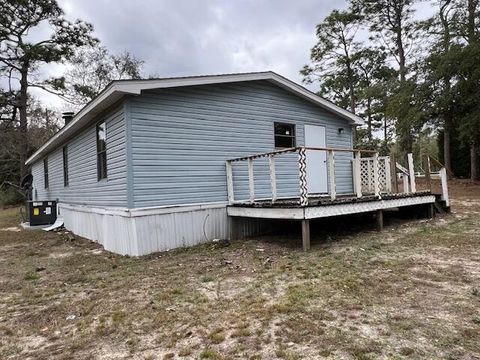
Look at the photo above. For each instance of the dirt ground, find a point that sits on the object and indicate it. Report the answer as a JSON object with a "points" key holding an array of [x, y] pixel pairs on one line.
{"points": [[409, 292]]}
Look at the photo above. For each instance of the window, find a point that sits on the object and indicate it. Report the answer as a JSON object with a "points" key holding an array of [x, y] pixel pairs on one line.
{"points": [[45, 173], [65, 166], [101, 151], [284, 135]]}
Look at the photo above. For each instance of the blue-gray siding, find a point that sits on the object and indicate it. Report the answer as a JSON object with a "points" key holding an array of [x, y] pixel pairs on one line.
{"points": [[181, 138], [84, 188]]}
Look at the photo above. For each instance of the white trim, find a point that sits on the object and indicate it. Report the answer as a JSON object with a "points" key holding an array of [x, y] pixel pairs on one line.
{"points": [[117, 89], [146, 211]]}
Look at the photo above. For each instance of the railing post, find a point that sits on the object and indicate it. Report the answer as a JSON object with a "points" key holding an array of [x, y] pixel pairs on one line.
{"points": [[251, 182], [426, 165], [388, 174], [302, 167], [230, 192], [357, 176], [406, 186], [369, 175], [411, 171], [331, 174], [376, 185], [393, 173], [273, 177], [443, 180]]}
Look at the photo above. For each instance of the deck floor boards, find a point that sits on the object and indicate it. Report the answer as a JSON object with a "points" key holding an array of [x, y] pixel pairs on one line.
{"points": [[327, 201]]}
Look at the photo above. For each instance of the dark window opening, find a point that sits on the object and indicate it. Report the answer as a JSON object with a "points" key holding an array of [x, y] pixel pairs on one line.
{"points": [[65, 166], [284, 135], [45, 173], [101, 151]]}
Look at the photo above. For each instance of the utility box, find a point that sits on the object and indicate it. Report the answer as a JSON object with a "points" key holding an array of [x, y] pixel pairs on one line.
{"points": [[41, 212]]}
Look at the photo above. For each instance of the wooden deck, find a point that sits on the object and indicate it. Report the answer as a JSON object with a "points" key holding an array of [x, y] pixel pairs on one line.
{"points": [[320, 208], [375, 182]]}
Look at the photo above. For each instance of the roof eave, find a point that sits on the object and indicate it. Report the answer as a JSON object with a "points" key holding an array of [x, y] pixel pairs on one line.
{"points": [[117, 89]]}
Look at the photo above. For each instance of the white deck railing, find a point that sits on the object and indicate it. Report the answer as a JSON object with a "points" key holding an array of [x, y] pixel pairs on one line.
{"points": [[371, 175], [358, 173]]}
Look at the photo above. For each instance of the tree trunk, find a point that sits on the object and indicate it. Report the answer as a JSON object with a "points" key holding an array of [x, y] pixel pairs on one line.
{"points": [[22, 107], [472, 4], [473, 161], [446, 148], [402, 65], [447, 118], [385, 129], [369, 119]]}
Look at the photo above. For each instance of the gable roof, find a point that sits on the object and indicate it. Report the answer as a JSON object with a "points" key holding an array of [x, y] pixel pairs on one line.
{"points": [[119, 88]]}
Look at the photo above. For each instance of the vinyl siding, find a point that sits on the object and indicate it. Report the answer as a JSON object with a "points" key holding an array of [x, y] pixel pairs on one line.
{"points": [[84, 188], [181, 138]]}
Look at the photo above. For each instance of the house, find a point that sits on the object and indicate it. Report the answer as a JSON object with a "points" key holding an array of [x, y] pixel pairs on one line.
{"points": [[144, 166]]}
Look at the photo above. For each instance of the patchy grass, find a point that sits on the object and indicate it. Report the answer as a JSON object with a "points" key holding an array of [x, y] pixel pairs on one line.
{"points": [[412, 291]]}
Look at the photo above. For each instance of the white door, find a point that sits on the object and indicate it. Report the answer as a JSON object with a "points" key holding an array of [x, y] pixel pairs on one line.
{"points": [[316, 160]]}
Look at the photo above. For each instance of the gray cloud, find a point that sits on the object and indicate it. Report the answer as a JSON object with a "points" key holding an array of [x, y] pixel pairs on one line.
{"points": [[207, 37], [193, 37]]}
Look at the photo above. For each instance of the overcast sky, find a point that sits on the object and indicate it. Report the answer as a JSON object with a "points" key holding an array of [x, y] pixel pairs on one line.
{"points": [[193, 37]]}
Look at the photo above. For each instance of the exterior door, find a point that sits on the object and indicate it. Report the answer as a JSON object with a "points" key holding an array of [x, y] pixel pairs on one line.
{"points": [[316, 160]]}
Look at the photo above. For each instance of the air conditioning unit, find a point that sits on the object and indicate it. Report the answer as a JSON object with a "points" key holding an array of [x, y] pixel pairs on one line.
{"points": [[41, 212]]}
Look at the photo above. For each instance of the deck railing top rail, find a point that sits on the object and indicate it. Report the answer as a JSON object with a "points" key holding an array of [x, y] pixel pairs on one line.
{"points": [[298, 148]]}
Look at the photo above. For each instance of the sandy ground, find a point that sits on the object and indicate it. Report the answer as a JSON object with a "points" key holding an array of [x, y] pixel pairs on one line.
{"points": [[409, 292]]}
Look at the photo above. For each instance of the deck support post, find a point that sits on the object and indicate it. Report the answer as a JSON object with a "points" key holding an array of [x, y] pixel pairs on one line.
{"points": [[232, 228], [431, 211], [306, 234], [379, 220]]}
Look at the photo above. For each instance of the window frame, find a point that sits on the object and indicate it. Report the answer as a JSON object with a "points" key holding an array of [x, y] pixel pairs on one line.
{"points": [[102, 173], [66, 179], [293, 136], [46, 180]]}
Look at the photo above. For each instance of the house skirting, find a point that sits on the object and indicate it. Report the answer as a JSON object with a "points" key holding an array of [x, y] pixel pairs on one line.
{"points": [[144, 231]]}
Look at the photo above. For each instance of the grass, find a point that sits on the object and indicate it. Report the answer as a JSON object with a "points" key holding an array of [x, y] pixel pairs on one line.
{"points": [[411, 291]]}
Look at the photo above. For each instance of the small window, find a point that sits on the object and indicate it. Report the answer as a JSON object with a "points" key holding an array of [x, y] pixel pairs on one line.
{"points": [[65, 166], [284, 135], [45, 172], [101, 151]]}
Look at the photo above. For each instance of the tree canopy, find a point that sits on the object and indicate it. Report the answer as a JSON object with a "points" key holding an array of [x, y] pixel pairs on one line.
{"points": [[411, 80]]}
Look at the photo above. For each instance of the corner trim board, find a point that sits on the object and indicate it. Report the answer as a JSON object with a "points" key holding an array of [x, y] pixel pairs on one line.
{"points": [[128, 149]]}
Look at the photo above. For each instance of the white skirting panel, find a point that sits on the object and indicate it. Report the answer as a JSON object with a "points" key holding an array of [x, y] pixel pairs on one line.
{"points": [[144, 231], [114, 232], [162, 232]]}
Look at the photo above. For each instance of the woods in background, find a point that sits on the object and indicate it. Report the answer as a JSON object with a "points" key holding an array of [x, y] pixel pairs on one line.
{"points": [[415, 82]]}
